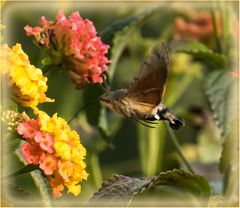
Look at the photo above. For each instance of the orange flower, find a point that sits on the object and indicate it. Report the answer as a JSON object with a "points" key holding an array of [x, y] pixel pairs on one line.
{"points": [[57, 150], [199, 27]]}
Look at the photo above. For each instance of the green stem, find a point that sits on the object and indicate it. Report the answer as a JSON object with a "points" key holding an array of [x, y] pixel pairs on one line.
{"points": [[142, 146], [178, 149], [96, 170], [39, 181], [225, 27], [216, 32], [42, 187], [156, 140], [151, 147]]}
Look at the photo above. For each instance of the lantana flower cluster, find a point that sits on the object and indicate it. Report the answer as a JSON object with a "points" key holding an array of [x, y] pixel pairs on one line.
{"points": [[51, 144], [26, 82], [200, 27], [73, 43]]}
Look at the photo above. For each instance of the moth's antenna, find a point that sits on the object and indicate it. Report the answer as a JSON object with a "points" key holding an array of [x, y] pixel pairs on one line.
{"points": [[75, 115], [104, 81], [103, 89], [104, 86]]}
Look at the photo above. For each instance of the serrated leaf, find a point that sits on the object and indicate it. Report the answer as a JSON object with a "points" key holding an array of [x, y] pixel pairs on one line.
{"points": [[222, 90], [122, 36], [200, 51], [120, 189], [219, 86], [195, 184]]}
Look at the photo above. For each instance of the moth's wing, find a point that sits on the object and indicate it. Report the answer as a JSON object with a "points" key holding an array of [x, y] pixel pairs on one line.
{"points": [[150, 84], [139, 107]]}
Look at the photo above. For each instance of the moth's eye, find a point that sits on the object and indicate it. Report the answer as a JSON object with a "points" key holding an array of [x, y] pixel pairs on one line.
{"points": [[107, 100]]}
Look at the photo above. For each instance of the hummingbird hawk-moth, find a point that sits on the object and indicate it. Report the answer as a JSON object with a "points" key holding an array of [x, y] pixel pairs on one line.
{"points": [[142, 100]]}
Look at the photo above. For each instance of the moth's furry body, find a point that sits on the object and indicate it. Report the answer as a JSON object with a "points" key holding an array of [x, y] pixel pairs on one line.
{"points": [[142, 100], [116, 101]]}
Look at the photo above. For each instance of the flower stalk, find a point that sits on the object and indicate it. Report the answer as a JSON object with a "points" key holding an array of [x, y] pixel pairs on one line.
{"points": [[178, 149]]}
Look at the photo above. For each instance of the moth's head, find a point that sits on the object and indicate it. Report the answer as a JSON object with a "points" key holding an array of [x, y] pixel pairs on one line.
{"points": [[106, 100]]}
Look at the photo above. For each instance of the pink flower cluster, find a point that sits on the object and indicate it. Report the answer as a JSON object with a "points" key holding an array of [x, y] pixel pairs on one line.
{"points": [[199, 27], [73, 43], [37, 147]]}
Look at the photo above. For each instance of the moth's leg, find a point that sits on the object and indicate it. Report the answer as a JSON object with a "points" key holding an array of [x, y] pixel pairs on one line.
{"points": [[151, 122], [135, 119], [153, 127]]}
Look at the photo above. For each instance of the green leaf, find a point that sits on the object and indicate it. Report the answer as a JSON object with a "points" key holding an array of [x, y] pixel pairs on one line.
{"points": [[200, 51], [219, 87], [108, 34], [103, 125], [119, 190], [229, 164], [93, 110], [195, 184], [121, 37], [96, 115], [227, 155], [26, 169], [222, 90]]}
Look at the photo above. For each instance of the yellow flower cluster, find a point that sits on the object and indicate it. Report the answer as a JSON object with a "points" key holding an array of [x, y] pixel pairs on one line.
{"points": [[69, 152], [26, 82]]}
